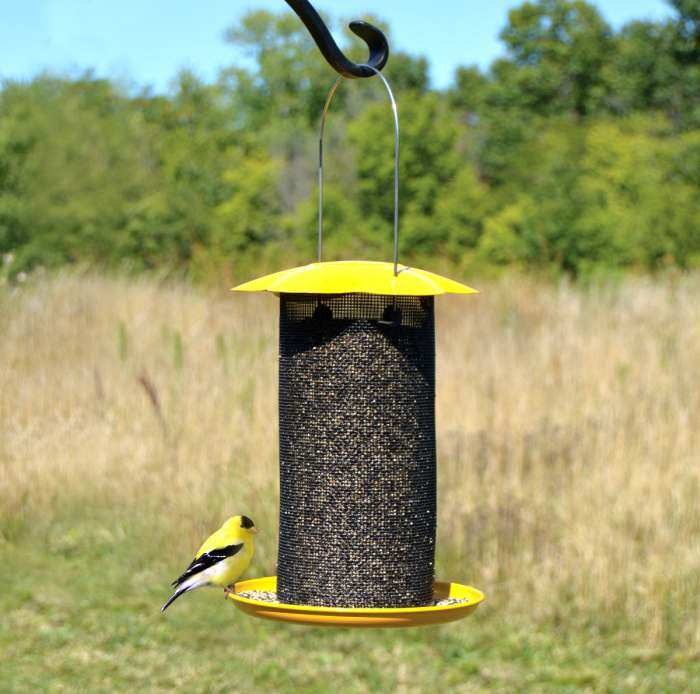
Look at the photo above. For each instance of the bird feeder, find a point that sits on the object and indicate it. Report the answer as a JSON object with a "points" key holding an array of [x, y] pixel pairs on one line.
{"points": [[357, 449]]}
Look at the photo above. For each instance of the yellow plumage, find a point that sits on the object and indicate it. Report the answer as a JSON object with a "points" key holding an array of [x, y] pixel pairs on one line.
{"points": [[223, 557]]}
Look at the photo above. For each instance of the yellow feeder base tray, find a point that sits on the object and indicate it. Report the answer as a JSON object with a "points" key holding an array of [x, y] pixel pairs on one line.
{"points": [[358, 616]]}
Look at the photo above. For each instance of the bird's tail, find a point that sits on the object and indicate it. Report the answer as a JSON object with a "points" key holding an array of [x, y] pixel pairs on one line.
{"points": [[180, 591]]}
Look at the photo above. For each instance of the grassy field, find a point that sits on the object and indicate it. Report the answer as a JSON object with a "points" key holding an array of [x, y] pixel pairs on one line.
{"points": [[135, 417]]}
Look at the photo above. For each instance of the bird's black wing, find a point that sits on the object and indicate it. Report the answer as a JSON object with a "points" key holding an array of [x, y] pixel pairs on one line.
{"points": [[208, 559]]}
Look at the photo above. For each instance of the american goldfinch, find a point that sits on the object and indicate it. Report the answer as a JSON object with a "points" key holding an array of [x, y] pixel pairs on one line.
{"points": [[222, 558]]}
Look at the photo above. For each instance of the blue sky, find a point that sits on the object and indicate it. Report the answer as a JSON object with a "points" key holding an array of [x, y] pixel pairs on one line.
{"points": [[146, 42]]}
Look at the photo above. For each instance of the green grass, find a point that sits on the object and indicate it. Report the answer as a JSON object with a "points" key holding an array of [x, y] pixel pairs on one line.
{"points": [[80, 611]]}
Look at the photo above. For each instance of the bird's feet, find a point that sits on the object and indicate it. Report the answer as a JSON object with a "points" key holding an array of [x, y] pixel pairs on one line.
{"points": [[228, 590]]}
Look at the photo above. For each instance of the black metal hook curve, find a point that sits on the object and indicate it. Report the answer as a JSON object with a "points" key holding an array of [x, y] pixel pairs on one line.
{"points": [[373, 37]]}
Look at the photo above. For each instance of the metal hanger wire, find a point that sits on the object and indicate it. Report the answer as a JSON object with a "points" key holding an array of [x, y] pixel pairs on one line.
{"points": [[324, 116]]}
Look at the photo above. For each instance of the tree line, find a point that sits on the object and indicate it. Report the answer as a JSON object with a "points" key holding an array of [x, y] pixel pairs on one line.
{"points": [[578, 151]]}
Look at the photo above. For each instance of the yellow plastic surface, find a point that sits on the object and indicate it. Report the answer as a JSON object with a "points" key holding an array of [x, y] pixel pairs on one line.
{"points": [[355, 276], [358, 616]]}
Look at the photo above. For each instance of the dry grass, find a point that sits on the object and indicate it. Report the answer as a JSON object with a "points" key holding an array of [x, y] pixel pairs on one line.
{"points": [[569, 434]]}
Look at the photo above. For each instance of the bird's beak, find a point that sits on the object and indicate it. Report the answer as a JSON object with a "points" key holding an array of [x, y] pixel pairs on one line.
{"points": [[254, 531]]}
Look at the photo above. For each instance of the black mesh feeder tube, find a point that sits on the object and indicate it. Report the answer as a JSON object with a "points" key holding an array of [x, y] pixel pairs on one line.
{"points": [[357, 450], [357, 447]]}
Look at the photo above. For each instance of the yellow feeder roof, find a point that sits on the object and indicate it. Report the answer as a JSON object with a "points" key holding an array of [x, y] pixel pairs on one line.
{"points": [[357, 277]]}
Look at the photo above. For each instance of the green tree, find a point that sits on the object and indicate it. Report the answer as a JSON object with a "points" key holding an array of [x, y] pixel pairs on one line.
{"points": [[633, 198], [290, 78], [428, 161], [469, 92], [577, 151], [72, 161], [557, 50]]}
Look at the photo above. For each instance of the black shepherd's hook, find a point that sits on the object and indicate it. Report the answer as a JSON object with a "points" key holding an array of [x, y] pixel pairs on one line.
{"points": [[375, 40]]}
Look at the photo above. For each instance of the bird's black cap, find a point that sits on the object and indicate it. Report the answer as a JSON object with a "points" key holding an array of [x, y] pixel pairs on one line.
{"points": [[246, 523]]}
